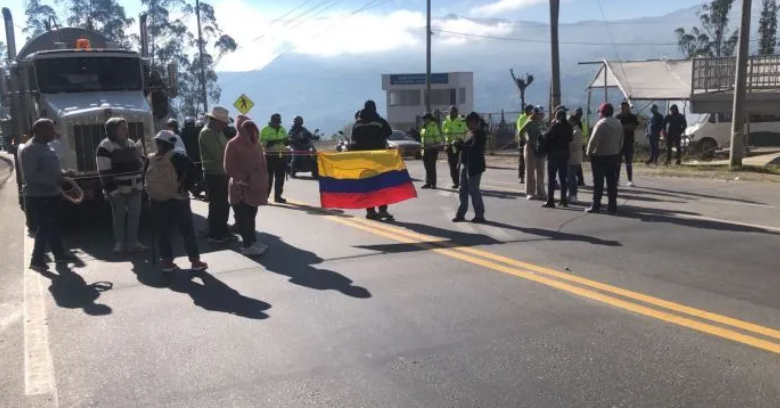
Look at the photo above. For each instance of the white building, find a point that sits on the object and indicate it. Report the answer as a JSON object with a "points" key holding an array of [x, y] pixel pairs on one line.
{"points": [[405, 95]]}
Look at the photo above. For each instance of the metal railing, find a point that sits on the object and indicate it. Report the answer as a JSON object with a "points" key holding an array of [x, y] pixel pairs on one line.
{"points": [[712, 74]]}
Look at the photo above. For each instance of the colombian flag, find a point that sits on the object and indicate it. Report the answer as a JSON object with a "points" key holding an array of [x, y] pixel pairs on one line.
{"points": [[359, 180]]}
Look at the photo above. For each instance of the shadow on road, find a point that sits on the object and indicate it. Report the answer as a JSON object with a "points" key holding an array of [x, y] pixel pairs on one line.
{"points": [[215, 295], [298, 264], [662, 216], [556, 235], [71, 291], [685, 195]]}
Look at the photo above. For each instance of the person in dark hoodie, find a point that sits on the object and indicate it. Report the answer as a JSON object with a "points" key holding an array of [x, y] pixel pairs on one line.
{"points": [[556, 143], [472, 159], [369, 133]]}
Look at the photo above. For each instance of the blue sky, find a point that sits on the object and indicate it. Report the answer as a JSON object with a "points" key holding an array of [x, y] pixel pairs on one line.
{"points": [[387, 25]]}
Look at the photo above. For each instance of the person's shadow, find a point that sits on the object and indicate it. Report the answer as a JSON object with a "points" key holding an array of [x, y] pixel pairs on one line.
{"points": [[215, 295], [71, 291], [298, 264]]}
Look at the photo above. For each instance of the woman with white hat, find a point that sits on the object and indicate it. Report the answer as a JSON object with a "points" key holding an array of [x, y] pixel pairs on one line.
{"points": [[212, 143]]}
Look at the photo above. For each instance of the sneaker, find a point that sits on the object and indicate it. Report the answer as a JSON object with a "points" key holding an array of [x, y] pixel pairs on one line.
{"points": [[198, 265], [530, 197], [119, 248], [455, 186], [479, 220], [39, 267], [592, 210], [169, 266], [280, 200], [373, 216], [573, 199], [426, 186], [458, 219], [137, 248], [386, 216], [631, 183], [252, 251], [549, 205], [522, 181]]}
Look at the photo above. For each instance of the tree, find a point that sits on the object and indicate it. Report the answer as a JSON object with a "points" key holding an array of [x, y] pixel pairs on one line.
{"points": [[767, 27], [105, 16], [215, 42], [712, 38], [38, 16]]}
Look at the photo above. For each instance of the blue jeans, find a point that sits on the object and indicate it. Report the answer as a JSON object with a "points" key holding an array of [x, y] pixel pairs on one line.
{"points": [[126, 212], [469, 186], [174, 215], [46, 211], [572, 179], [653, 139]]}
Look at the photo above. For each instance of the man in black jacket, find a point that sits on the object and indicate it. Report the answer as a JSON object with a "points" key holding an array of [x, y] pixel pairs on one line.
{"points": [[556, 144], [674, 127], [370, 133]]}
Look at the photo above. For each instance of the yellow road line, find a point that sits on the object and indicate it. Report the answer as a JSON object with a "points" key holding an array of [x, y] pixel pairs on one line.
{"points": [[758, 329], [453, 251]]}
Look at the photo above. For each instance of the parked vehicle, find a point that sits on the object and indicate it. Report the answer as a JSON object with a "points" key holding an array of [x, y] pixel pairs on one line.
{"points": [[713, 131], [405, 144], [302, 162]]}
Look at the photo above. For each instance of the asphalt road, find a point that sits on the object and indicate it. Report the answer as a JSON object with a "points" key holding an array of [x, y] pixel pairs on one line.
{"points": [[673, 302]]}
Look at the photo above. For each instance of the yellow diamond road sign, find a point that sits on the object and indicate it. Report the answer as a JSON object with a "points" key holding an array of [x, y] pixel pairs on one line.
{"points": [[243, 104]]}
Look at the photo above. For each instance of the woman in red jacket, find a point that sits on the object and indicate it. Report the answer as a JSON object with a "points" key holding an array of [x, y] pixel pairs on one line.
{"points": [[248, 186]]}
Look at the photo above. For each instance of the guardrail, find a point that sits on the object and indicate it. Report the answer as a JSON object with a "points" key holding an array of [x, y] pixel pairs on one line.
{"points": [[712, 74]]}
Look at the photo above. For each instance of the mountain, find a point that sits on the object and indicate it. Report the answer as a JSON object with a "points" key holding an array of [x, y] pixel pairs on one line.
{"points": [[327, 91]]}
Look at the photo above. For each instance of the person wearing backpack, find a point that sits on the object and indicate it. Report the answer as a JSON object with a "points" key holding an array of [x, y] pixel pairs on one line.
{"points": [[247, 169], [169, 176], [535, 155]]}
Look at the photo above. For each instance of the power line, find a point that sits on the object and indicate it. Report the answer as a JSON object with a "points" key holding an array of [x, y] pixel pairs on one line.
{"points": [[367, 6], [612, 39], [542, 41]]}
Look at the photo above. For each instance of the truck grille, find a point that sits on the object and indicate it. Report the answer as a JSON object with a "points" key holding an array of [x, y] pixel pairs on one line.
{"points": [[87, 138]]}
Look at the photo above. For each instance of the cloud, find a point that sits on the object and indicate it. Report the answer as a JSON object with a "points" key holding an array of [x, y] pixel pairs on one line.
{"points": [[503, 6], [334, 34]]}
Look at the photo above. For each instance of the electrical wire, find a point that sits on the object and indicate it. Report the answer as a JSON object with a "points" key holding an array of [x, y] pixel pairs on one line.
{"points": [[542, 41]]}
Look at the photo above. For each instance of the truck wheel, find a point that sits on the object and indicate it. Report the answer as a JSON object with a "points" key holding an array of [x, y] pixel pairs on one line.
{"points": [[706, 148]]}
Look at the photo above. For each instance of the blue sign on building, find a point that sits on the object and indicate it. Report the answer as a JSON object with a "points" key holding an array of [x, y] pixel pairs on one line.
{"points": [[419, 79]]}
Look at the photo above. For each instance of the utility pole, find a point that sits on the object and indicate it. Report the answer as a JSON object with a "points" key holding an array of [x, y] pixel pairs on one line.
{"points": [[555, 84], [737, 149], [202, 66], [428, 34]]}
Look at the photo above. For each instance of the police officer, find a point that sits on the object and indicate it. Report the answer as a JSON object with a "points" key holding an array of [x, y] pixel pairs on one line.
{"points": [[431, 139], [454, 129], [274, 139]]}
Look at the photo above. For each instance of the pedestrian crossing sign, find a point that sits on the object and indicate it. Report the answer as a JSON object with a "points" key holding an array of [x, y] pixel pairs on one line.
{"points": [[243, 104]]}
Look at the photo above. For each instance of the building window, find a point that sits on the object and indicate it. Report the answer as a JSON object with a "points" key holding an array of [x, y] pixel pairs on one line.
{"points": [[446, 96], [462, 95], [406, 97]]}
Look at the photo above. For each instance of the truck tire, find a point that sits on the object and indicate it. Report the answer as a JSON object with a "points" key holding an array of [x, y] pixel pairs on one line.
{"points": [[706, 148]]}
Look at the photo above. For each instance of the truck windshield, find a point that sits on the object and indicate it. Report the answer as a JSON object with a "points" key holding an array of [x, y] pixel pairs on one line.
{"points": [[88, 74]]}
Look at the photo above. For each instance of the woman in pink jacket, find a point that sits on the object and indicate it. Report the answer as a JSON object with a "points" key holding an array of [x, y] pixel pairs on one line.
{"points": [[248, 186]]}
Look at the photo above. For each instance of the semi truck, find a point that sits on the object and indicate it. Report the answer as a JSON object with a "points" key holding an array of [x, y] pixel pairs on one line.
{"points": [[79, 79]]}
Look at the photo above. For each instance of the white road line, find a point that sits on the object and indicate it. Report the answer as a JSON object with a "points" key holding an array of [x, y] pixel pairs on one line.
{"points": [[38, 365]]}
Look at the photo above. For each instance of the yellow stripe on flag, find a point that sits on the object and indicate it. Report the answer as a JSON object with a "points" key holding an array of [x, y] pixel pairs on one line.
{"points": [[359, 165]]}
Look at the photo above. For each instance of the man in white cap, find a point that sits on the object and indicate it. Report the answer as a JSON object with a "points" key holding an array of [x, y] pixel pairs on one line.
{"points": [[212, 143]]}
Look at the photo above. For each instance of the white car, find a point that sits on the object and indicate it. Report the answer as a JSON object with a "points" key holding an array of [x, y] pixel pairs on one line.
{"points": [[405, 144]]}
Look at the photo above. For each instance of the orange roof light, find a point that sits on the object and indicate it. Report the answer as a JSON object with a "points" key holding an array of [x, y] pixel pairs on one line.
{"points": [[82, 44]]}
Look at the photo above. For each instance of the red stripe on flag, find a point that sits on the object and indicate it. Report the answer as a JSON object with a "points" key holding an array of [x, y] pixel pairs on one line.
{"points": [[376, 198]]}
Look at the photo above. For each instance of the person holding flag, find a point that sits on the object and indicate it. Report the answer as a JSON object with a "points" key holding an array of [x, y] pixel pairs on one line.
{"points": [[431, 141], [454, 129]]}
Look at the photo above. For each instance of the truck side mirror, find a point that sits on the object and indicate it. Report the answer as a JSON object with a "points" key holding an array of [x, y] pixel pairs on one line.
{"points": [[173, 80]]}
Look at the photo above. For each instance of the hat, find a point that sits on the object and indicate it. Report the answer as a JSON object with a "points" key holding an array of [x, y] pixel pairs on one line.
{"points": [[454, 108], [528, 108], [166, 136], [539, 109], [220, 114], [607, 108], [428, 115], [370, 105], [578, 111], [561, 108]]}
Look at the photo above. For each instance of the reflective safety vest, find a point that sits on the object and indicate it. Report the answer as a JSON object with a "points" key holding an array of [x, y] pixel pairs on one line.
{"points": [[521, 121], [272, 139], [454, 129], [430, 135]]}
